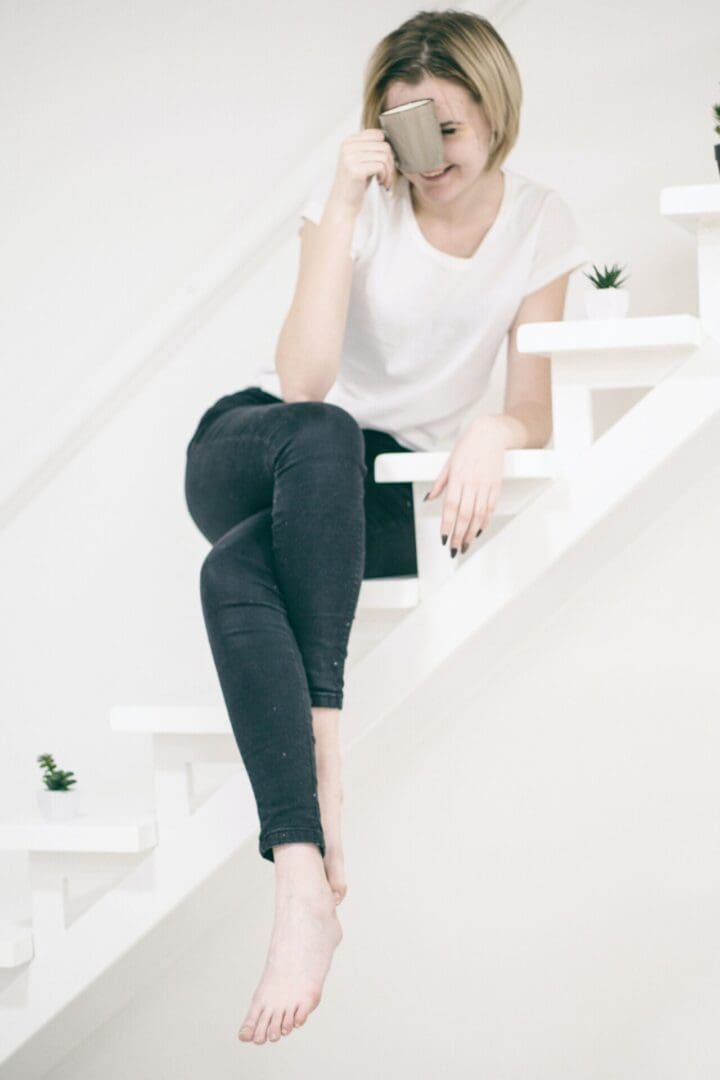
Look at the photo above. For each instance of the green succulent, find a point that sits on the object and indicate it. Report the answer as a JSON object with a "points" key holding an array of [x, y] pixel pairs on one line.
{"points": [[716, 116], [608, 279], [55, 779]]}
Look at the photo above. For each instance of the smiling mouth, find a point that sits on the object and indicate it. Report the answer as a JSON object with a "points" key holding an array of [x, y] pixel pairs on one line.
{"points": [[436, 175]]}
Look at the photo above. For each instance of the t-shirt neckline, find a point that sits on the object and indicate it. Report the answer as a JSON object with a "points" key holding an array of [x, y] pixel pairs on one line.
{"points": [[444, 256]]}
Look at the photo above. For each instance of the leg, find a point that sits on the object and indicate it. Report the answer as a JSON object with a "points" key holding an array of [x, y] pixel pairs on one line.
{"points": [[390, 552], [242, 473], [305, 462], [389, 519], [263, 682]]}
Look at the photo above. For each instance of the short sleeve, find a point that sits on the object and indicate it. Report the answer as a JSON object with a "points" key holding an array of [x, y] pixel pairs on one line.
{"points": [[558, 243], [314, 205]]}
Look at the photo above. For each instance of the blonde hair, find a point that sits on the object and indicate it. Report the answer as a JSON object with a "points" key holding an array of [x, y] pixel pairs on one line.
{"points": [[455, 45]]}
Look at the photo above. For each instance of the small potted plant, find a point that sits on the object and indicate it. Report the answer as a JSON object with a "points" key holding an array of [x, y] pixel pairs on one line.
{"points": [[57, 802], [606, 300], [716, 118]]}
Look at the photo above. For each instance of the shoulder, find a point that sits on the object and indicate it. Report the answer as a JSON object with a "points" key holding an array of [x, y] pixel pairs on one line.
{"points": [[547, 221], [534, 200]]}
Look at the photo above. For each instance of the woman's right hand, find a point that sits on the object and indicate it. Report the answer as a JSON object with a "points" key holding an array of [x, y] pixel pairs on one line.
{"points": [[361, 157]]}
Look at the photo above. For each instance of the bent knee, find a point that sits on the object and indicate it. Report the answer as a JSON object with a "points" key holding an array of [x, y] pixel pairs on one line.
{"points": [[213, 574], [234, 567], [322, 423]]}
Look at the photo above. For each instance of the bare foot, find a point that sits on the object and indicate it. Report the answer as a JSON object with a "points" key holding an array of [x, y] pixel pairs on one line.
{"points": [[305, 935]]}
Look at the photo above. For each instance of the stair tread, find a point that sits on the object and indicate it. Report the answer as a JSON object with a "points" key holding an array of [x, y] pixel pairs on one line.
{"points": [[97, 832], [171, 719], [593, 335], [692, 205], [525, 464]]}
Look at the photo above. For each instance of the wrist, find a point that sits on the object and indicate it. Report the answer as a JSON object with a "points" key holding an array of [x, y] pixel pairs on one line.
{"points": [[506, 430], [340, 210]]}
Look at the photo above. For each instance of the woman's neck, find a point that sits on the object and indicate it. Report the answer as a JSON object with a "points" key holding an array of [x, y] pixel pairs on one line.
{"points": [[477, 204]]}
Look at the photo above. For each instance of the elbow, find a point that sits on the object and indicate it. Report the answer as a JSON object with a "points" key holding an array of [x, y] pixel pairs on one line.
{"points": [[294, 389], [289, 399]]}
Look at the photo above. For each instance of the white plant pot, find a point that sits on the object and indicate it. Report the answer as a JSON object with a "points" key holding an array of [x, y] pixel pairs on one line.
{"points": [[606, 303], [58, 805]]}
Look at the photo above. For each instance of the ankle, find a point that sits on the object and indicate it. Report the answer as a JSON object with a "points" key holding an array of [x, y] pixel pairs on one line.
{"points": [[299, 868]]}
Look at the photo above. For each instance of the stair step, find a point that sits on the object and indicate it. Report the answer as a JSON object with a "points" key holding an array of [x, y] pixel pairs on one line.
{"points": [[613, 353], [182, 737], [16, 945], [170, 719], [398, 592], [692, 206], [421, 466], [86, 833]]}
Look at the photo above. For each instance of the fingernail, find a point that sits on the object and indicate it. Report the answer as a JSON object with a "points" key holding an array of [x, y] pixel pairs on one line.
{"points": [[427, 496], [464, 548], [478, 532], [444, 539], [453, 552]]}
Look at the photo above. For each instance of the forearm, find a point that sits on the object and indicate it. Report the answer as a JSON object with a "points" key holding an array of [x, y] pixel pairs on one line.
{"points": [[308, 351], [525, 426]]}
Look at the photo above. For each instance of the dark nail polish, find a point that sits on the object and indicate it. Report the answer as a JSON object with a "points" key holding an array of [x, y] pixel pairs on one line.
{"points": [[426, 497], [478, 532], [453, 552], [464, 548], [444, 539]]}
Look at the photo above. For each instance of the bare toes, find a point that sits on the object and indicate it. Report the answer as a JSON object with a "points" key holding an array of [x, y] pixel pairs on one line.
{"points": [[274, 1025], [248, 1028], [262, 1026], [288, 1020]]}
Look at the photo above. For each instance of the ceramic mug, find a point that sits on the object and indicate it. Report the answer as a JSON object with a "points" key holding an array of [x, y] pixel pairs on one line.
{"points": [[415, 136]]}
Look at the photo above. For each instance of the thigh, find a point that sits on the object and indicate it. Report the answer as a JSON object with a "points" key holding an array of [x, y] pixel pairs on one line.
{"points": [[228, 468], [229, 476], [389, 520]]}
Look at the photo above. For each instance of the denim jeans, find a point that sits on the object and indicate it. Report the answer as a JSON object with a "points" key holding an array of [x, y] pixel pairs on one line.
{"points": [[284, 492]]}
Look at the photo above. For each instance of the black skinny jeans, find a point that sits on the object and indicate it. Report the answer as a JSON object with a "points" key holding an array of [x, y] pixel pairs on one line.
{"points": [[285, 494]]}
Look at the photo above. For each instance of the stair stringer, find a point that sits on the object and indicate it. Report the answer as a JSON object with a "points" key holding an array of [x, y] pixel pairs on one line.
{"points": [[127, 937], [603, 499], [531, 568]]}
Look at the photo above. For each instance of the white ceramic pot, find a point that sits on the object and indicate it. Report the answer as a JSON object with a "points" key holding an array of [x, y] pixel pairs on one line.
{"points": [[58, 805], [606, 303]]}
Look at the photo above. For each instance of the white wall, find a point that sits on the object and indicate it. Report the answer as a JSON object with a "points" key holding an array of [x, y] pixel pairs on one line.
{"points": [[134, 136], [532, 863], [128, 132]]}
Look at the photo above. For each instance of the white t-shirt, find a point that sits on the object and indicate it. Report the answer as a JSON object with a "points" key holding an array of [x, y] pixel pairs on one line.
{"points": [[424, 328]]}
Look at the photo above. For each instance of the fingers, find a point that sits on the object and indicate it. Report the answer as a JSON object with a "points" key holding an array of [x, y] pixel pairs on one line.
{"points": [[466, 509], [477, 523], [458, 512], [385, 168], [389, 175], [466, 512]]}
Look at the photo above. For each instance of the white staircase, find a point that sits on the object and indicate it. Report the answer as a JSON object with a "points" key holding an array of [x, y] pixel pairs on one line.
{"points": [[571, 506]]}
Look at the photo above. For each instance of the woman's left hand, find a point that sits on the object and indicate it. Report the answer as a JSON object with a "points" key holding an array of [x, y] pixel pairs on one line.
{"points": [[472, 475]]}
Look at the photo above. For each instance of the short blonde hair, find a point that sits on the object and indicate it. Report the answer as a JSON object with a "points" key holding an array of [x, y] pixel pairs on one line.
{"points": [[456, 45]]}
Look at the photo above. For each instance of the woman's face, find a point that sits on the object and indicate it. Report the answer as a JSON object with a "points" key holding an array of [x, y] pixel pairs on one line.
{"points": [[466, 134]]}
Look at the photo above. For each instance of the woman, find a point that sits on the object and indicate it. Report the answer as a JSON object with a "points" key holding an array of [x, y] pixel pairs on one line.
{"points": [[406, 290]]}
